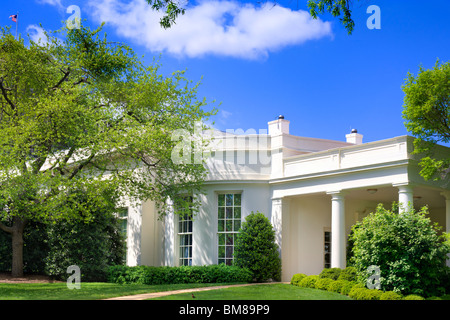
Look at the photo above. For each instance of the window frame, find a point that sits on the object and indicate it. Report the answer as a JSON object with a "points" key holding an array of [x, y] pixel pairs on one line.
{"points": [[226, 238], [326, 264], [179, 234]]}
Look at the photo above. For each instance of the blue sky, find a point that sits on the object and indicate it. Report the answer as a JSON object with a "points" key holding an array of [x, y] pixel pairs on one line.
{"points": [[259, 62]]}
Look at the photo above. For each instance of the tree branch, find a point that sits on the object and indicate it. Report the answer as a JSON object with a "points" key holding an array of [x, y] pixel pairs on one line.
{"points": [[5, 228], [81, 166], [5, 95], [66, 74]]}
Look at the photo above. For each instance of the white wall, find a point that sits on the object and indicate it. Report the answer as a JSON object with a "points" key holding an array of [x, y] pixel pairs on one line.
{"points": [[255, 197]]}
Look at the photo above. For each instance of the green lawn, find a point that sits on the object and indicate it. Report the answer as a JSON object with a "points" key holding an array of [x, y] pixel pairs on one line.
{"points": [[88, 291], [276, 291], [92, 291]]}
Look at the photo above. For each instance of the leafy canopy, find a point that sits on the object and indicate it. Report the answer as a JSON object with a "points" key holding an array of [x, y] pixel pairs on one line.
{"points": [[426, 110], [84, 117]]}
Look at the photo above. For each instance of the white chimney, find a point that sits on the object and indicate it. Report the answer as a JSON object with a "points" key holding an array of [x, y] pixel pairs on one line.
{"points": [[354, 137], [279, 126]]}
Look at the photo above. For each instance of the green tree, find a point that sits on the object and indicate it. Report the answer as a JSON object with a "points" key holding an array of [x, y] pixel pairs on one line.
{"points": [[84, 118], [406, 247], [256, 249], [338, 8], [172, 10], [426, 110]]}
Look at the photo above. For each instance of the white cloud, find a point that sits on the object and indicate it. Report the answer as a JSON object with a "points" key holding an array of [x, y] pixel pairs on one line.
{"points": [[223, 28], [51, 2], [37, 34]]}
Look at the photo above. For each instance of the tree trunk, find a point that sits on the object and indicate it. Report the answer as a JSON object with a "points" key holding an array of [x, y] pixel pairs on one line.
{"points": [[17, 247]]}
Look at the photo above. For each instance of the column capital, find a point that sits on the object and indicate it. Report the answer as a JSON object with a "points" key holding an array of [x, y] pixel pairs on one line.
{"points": [[403, 187], [337, 194], [446, 194]]}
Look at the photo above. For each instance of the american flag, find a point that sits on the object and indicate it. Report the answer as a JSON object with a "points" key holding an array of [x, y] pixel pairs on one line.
{"points": [[13, 17]]}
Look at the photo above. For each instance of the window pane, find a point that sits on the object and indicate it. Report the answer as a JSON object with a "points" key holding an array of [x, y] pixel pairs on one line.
{"points": [[229, 252], [229, 199], [221, 213], [237, 225], [229, 225], [229, 239], [221, 261], [221, 251], [221, 225], [221, 199], [229, 213], [237, 199], [123, 213], [221, 239], [237, 213]]}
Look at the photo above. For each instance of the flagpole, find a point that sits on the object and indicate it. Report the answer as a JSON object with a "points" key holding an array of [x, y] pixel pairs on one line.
{"points": [[17, 23]]}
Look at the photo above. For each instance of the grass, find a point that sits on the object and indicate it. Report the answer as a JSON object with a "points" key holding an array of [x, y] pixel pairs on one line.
{"points": [[276, 291], [99, 290], [88, 291]]}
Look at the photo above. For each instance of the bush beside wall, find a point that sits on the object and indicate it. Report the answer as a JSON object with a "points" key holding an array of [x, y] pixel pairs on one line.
{"points": [[353, 289], [184, 274]]}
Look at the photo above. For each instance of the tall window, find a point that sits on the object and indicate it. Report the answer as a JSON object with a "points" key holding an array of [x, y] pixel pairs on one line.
{"points": [[185, 239], [185, 235], [122, 215], [229, 223], [327, 249]]}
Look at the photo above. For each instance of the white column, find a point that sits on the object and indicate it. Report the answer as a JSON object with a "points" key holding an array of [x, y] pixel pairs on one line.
{"points": [[277, 220], [337, 230], [446, 194], [169, 236], [405, 197]]}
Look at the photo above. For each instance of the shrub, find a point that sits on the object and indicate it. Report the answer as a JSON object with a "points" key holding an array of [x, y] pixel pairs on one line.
{"points": [[309, 281], [51, 248], [406, 247], [296, 278], [413, 297], [390, 295], [371, 294], [256, 250], [330, 273], [355, 291], [348, 274], [345, 290], [323, 283], [184, 274], [92, 246], [336, 286]]}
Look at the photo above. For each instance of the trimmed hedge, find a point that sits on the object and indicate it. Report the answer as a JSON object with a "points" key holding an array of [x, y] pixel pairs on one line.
{"points": [[390, 295], [296, 278], [184, 274], [353, 289], [336, 286], [323, 283], [309, 281], [413, 297], [330, 273], [349, 274]]}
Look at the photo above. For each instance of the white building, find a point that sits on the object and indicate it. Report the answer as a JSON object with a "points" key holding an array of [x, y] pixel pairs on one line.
{"points": [[312, 190]]}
